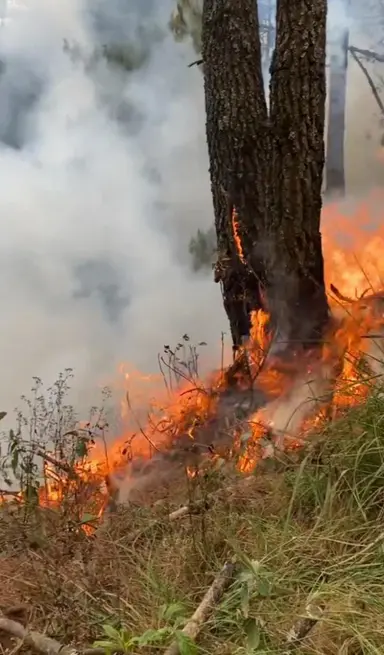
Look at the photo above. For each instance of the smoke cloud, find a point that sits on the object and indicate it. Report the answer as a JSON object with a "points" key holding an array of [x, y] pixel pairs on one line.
{"points": [[104, 181]]}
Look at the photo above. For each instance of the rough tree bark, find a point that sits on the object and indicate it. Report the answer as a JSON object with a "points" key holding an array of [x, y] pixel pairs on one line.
{"points": [[237, 127], [295, 279], [268, 169]]}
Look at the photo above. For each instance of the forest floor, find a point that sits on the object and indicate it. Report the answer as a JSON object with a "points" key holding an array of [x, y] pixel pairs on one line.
{"points": [[306, 532]]}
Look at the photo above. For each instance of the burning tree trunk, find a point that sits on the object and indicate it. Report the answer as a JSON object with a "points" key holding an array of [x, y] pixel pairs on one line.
{"points": [[266, 171], [237, 144], [295, 285]]}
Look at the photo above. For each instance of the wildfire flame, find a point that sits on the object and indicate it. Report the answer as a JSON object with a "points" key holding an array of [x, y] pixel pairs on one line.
{"points": [[338, 377], [236, 235]]}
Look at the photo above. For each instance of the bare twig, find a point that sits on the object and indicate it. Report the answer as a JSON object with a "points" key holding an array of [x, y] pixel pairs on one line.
{"points": [[206, 607], [339, 295], [369, 54], [355, 52], [163, 374], [149, 440], [63, 466], [173, 368], [188, 510], [198, 62]]}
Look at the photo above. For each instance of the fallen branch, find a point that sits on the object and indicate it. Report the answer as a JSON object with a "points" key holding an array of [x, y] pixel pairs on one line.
{"points": [[42, 643], [303, 627], [185, 510], [160, 524], [298, 633], [36, 640], [206, 607]]}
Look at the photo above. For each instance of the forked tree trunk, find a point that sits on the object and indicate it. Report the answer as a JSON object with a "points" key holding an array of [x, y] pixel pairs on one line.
{"points": [[296, 291], [237, 125], [269, 169]]}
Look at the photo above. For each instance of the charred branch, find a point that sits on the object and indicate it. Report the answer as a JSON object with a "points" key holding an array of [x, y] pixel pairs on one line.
{"points": [[207, 606], [198, 62], [61, 466], [35, 640]]}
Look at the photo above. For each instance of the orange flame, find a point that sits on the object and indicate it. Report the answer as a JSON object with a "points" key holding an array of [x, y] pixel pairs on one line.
{"points": [[236, 235], [353, 251], [353, 248]]}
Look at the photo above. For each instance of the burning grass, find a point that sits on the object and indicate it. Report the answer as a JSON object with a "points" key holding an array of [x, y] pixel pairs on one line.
{"points": [[307, 527], [279, 464]]}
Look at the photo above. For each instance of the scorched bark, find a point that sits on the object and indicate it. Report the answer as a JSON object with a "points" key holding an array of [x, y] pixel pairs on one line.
{"points": [[236, 127], [295, 288]]}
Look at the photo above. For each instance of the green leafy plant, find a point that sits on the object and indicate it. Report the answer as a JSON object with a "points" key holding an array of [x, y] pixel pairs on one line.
{"points": [[121, 640]]}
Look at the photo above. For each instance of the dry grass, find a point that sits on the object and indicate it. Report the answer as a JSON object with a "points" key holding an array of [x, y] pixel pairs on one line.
{"points": [[310, 528]]}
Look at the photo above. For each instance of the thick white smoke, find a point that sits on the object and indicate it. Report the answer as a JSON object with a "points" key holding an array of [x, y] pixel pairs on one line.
{"points": [[96, 214]]}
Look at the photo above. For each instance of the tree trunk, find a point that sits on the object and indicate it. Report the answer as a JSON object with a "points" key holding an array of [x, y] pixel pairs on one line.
{"points": [[237, 136], [295, 280], [337, 93]]}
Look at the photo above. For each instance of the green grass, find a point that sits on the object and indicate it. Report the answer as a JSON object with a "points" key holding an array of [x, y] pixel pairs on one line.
{"points": [[306, 530]]}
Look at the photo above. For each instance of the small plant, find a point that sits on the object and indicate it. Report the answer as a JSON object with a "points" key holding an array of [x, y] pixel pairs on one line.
{"points": [[122, 641], [44, 454]]}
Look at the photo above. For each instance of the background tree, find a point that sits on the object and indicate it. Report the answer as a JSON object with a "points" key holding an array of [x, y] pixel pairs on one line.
{"points": [[338, 47], [367, 49], [202, 249], [186, 20]]}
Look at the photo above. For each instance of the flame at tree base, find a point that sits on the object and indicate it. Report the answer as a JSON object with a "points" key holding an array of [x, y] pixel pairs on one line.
{"points": [[301, 396]]}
